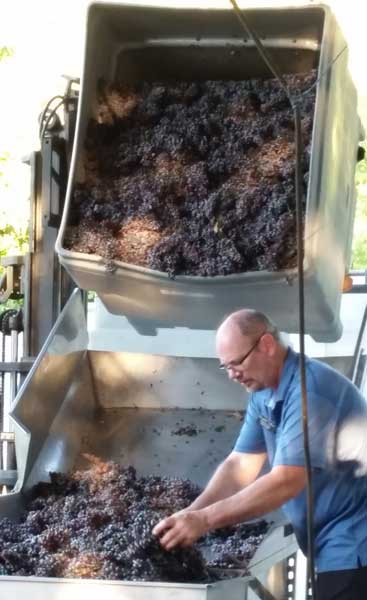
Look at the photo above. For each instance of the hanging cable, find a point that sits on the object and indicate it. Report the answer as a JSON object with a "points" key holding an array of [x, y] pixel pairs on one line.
{"points": [[295, 104], [323, 73]]}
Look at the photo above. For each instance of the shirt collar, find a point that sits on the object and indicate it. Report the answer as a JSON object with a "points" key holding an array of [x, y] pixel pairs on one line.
{"points": [[289, 368], [269, 396]]}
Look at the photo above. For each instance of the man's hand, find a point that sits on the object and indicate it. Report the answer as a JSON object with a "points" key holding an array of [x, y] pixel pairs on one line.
{"points": [[181, 529]]}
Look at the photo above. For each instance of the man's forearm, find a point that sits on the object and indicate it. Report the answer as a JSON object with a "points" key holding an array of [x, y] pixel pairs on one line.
{"points": [[220, 486], [229, 478], [268, 493]]}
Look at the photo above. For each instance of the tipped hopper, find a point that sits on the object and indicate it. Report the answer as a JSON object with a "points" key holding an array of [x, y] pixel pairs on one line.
{"points": [[136, 46]]}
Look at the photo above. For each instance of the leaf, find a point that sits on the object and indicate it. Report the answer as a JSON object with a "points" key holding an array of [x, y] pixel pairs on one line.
{"points": [[6, 52]]}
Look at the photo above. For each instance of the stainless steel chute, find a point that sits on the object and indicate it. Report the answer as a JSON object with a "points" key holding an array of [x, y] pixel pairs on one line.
{"points": [[124, 407]]}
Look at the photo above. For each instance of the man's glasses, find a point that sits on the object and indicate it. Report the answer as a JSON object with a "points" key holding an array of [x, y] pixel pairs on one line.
{"points": [[238, 362]]}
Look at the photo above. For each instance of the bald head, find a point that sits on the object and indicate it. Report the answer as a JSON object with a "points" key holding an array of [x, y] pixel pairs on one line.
{"points": [[248, 322]]}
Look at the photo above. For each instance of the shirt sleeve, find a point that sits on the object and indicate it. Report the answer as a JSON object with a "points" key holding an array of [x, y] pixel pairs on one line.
{"points": [[251, 437], [321, 432]]}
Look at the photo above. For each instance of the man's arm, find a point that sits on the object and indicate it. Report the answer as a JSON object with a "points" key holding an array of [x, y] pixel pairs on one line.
{"points": [[268, 493], [237, 471]]}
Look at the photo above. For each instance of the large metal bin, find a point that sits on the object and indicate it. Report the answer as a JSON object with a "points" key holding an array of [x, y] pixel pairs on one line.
{"points": [[140, 398], [148, 43]]}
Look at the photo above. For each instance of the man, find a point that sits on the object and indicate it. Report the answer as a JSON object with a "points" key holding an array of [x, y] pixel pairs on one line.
{"points": [[250, 350]]}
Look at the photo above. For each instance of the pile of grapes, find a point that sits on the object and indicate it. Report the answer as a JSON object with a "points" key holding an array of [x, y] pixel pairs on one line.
{"points": [[193, 178], [97, 523]]}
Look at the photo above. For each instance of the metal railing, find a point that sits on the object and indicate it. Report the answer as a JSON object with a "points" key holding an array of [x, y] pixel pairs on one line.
{"points": [[358, 372], [12, 372]]}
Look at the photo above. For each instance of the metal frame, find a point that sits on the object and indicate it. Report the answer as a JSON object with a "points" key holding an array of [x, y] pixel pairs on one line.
{"points": [[359, 363], [38, 276]]}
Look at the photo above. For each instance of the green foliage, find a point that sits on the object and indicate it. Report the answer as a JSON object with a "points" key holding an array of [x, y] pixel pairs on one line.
{"points": [[359, 250], [360, 253], [17, 238], [11, 304], [13, 229], [6, 52], [4, 157], [13, 238]]}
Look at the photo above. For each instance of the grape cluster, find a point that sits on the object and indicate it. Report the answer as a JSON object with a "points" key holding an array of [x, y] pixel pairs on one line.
{"points": [[232, 548], [97, 523], [190, 430], [193, 178]]}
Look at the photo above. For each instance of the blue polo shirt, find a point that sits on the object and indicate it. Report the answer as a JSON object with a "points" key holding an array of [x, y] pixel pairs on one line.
{"points": [[338, 446]]}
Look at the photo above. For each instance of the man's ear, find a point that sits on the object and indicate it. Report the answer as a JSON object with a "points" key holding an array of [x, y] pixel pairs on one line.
{"points": [[269, 344]]}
